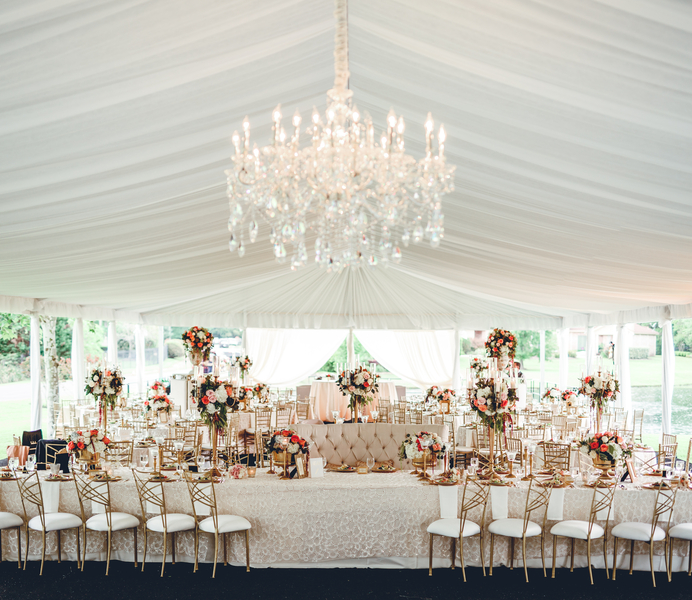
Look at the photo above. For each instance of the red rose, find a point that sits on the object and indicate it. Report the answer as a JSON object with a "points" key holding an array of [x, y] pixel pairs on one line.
{"points": [[80, 445], [205, 399], [482, 408], [366, 384], [604, 447], [106, 441], [146, 403], [295, 439], [70, 446], [200, 344], [594, 445]]}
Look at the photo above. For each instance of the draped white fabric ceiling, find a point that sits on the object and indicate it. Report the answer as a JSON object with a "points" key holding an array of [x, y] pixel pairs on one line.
{"points": [[570, 123]]}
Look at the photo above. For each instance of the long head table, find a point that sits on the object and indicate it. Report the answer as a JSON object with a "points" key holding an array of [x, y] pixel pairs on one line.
{"points": [[342, 519]]}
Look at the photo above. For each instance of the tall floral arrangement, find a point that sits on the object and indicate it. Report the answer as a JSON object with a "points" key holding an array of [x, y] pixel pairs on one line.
{"points": [[360, 384], [477, 365], [213, 402], [105, 386], [436, 394], [600, 389], [493, 400], [243, 363], [261, 391], [569, 398], [198, 343], [157, 399], [501, 343], [296, 444]]}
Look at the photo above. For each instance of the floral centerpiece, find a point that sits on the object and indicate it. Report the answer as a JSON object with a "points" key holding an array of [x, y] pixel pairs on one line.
{"points": [[552, 395], [477, 365], [243, 363], [569, 398], [212, 404], [296, 444], [600, 389], [493, 401], [246, 394], [157, 400], [412, 446], [501, 344], [105, 386], [85, 446], [605, 447], [198, 342], [261, 391], [361, 385], [436, 394]]}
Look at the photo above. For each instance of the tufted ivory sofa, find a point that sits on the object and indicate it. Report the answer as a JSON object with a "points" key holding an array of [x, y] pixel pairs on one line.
{"points": [[351, 442]]}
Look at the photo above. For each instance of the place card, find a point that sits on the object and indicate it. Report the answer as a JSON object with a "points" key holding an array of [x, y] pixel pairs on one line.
{"points": [[363, 470], [316, 469]]}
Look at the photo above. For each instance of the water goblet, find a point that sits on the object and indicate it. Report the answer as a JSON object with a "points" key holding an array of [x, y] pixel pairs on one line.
{"points": [[143, 460], [13, 463], [370, 461], [511, 456], [375, 414], [364, 418], [335, 415], [31, 462], [474, 462]]}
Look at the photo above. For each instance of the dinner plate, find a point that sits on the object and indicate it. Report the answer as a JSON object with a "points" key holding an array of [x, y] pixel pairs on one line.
{"points": [[656, 486], [100, 479], [347, 470], [376, 470]]}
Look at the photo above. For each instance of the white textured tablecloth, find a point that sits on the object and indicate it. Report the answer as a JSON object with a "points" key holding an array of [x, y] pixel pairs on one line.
{"points": [[341, 519]]}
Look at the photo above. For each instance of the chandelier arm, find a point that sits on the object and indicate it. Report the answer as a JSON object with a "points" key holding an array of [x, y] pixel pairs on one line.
{"points": [[341, 73]]}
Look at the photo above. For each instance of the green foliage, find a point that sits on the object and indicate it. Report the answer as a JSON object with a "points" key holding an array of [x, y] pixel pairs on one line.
{"points": [[682, 353], [341, 355], [15, 333], [466, 346], [175, 348], [639, 353], [528, 344], [682, 334], [63, 337]]}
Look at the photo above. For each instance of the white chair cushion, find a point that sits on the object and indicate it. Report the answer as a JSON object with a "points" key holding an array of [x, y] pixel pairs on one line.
{"points": [[175, 522], [450, 528], [514, 528], [640, 532], [119, 521], [10, 520], [682, 531], [55, 521], [227, 524], [577, 529]]}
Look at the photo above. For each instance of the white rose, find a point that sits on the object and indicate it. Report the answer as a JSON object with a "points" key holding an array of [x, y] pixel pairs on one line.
{"points": [[201, 335], [293, 448], [593, 454], [96, 377], [211, 408], [221, 393], [584, 450]]}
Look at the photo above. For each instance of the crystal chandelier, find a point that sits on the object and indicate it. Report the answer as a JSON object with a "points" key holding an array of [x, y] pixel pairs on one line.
{"points": [[354, 200]]}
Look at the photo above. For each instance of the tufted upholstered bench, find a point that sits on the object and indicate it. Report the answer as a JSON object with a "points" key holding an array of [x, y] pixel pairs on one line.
{"points": [[351, 442]]}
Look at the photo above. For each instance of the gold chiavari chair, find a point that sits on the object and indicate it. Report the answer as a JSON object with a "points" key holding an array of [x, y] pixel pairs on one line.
{"points": [[559, 425], [30, 492], [681, 531], [261, 430], [601, 505], [474, 497], [556, 456], [140, 427], [384, 407], [401, 416], [536, 499], [648, 532], [152, 499], [416, 416], [283, 418], [687, 460], [11, 521], [666, 456], [52, 451], [120, 452], [302, 410], [203, 497], [515, 445], [638, 424], [462, 453], [99, 493]]}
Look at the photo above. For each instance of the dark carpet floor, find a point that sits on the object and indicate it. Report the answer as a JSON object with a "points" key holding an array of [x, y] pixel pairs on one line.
{"points": [[64, 581]]}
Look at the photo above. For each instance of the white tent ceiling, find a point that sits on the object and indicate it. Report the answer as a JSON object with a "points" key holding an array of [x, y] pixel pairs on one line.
{"points": [[570, 123]]}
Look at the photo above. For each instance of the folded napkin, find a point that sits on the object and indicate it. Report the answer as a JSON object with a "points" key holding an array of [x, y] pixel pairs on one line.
{"points": [[499, 497], [200, 508], [449, 498], [125, 434], [96, 507], [602, 514], [556, 505], [50, 490]]}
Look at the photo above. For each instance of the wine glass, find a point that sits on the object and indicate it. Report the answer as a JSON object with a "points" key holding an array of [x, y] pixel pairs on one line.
{"points": [[364, 418], [143, 460], [474, 462], [370, 461], [335, 415], [375, 415], [13, 463], [511, 457]]}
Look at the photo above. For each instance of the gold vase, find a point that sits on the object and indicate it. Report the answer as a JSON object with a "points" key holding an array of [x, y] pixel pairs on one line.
{"points": [[604, 466], [284, 460]]}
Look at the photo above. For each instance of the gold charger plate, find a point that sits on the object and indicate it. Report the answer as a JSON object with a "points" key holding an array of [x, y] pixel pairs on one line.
{"points": [[393, 470], [164, 479], [100, 478], [600, 484], [349, 469], [60, 478], [435, 482], [656, 486], [9, 478]]}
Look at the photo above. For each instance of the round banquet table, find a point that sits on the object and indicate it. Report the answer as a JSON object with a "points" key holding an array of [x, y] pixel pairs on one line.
{"points": [[326, 397]]}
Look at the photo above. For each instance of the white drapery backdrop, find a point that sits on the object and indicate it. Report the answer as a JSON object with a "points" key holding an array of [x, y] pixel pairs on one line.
{"points": [[563, 347], [668, 352], [35, 365], [77, 356], [140, 362], [623, 337], [423, 357], [112, 344], [287, 356]]}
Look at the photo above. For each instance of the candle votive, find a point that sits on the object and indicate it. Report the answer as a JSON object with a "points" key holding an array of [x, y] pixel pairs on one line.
{"points": [[251, 471]]}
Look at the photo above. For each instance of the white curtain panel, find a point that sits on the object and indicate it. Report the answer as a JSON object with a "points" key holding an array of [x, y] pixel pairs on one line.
{"points": [[421, 357], [140, 362], [283, 357], [591, 350], [78, 364], [623, 340], [112, 344], [668, 352], [563, 347], [35, 365]]}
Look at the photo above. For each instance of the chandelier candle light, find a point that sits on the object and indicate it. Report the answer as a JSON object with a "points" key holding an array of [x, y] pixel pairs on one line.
{"points": [[353, 199]]}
